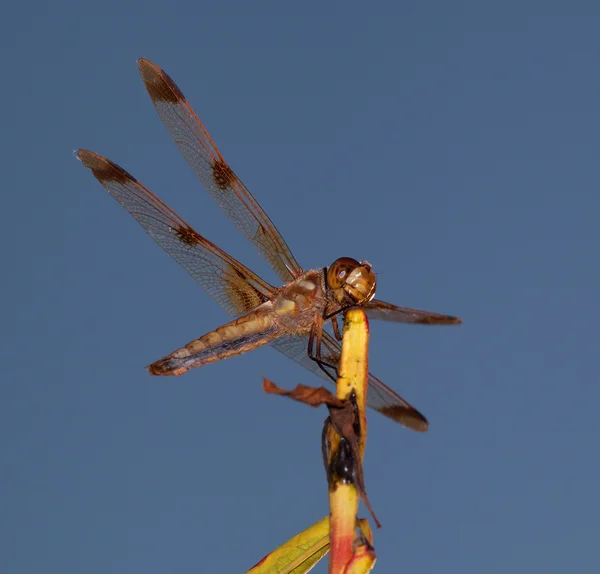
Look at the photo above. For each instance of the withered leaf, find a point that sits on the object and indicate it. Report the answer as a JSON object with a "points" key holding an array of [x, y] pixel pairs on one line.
{"points": [[311, 396]]}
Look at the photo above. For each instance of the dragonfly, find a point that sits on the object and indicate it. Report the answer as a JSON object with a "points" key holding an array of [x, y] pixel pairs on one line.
{"points": [[294, 318]]}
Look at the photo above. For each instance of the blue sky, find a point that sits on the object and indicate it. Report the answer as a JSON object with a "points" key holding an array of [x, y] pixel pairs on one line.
{"points": [[454, 145]]}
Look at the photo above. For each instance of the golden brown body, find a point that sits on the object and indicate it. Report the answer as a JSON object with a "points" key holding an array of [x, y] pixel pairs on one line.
{"points": [[290, 317], [293, 311]]}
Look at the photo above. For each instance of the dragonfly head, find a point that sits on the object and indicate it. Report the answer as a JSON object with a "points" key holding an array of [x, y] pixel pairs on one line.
{"points": [[351, 281]]}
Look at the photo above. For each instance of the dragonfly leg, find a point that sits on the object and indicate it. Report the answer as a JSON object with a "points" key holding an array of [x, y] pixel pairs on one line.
{"points": [[314, 351], [336, 328]]}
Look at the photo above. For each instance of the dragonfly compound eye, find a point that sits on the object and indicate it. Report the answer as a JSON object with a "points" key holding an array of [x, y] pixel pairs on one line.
{"points": [[348, 277]]}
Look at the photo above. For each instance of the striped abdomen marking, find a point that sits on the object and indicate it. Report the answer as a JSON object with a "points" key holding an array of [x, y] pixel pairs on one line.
{"points": [[244, 334]]}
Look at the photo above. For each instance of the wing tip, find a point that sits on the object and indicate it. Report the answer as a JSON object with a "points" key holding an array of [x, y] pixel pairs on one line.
{"points": [[159, 84], [102, 168], [83, 154], [441, 320], [408, 417]]}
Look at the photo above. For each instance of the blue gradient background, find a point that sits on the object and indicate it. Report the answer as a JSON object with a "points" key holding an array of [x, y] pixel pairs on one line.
{"points": [[452, 144]]}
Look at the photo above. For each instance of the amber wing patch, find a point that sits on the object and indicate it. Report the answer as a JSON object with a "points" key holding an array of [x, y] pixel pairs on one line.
{"points": [[222, 175], [188, 236], [242, 294]]}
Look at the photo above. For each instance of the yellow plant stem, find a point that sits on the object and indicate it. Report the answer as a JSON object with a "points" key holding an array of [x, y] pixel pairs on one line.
{"points": [[343, 494]]}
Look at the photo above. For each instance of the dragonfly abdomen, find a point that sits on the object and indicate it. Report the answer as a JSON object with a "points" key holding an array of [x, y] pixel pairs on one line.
{"points": [[244, 334]]}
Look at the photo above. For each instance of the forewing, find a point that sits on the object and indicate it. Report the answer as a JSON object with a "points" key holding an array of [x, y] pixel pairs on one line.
{"points": [[382, 311], [228, 282], [379, 396], [212, 170]]}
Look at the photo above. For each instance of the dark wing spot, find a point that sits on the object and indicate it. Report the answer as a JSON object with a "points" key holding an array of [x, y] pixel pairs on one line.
{"points": [[222, 175], [104, 169], [159, 84], [409, 417], [187, 235], [440, 320]]}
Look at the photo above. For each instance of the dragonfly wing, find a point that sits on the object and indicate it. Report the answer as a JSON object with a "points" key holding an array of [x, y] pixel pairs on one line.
{"points": [[382, 311], [212, 170], [227, 281], [379, 396]]}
